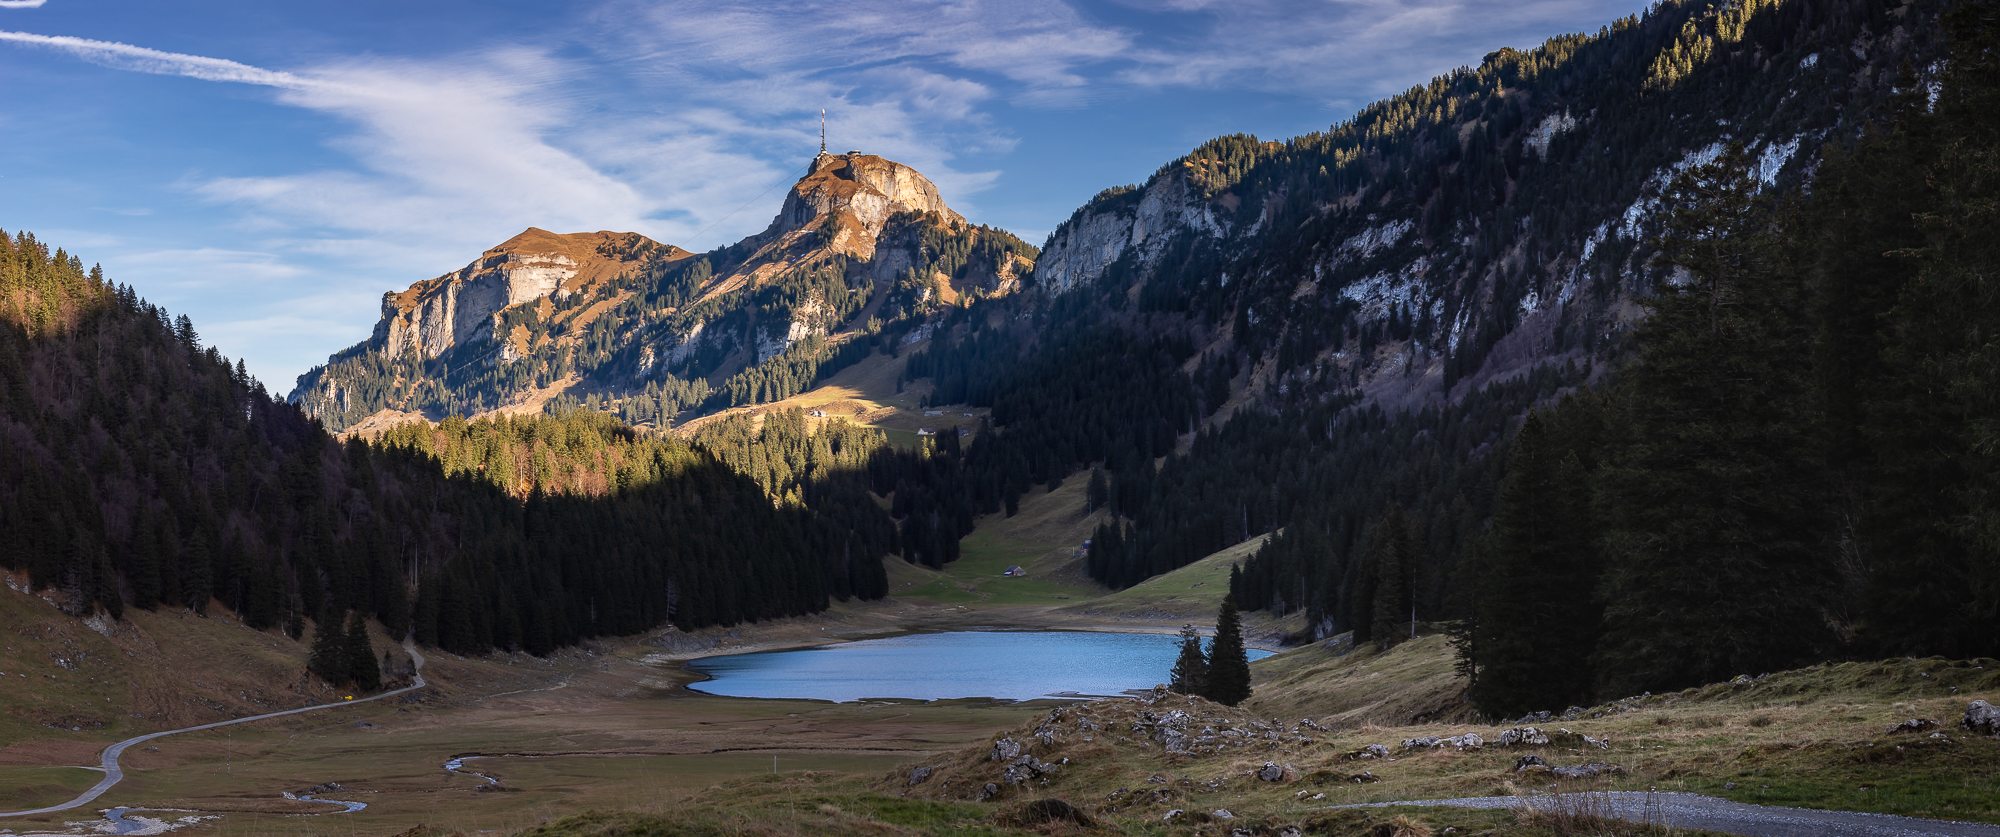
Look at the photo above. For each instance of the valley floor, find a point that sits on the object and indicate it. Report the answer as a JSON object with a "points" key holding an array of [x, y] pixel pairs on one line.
{"points": [[609, 727]]}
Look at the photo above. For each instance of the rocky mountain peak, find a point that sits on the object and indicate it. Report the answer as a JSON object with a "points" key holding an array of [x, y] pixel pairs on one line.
{"points": [[856, 194], [433, 315]]}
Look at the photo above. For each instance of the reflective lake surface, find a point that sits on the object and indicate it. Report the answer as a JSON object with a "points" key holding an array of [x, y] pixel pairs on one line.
{"points": [[1012, 665]]}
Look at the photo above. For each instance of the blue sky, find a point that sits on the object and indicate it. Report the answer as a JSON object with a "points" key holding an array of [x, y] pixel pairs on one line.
{"points": [[272, 168]]}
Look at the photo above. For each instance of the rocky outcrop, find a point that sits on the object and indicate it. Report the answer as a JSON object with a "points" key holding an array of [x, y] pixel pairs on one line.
{"points": [[862, 187], [1101, 232], [459, 307], [1982, 718]]}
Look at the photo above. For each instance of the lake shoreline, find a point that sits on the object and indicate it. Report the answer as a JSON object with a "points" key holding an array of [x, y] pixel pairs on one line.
{"points": [[977, 662]]}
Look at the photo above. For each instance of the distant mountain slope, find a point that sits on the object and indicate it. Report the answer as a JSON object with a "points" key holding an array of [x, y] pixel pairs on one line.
{"points": [[1495, 218], [862, 253]]}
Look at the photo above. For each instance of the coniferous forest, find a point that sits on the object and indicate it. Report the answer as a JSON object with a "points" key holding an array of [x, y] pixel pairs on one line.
{"points": [[142, 469]]}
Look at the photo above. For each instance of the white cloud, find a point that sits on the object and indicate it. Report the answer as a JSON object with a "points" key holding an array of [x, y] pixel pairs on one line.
{"points": [[22, 4], [141, 59]]}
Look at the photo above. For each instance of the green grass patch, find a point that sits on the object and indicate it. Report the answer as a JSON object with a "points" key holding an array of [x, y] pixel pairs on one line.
{"points": [[22, 788]]}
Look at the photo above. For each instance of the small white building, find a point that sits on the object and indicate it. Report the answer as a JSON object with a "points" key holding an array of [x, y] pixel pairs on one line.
{"points": [[926, 431], [1015, 572]]}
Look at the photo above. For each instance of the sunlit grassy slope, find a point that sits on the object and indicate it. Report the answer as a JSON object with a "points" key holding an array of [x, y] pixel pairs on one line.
{"points": [[1042, 537], [1193, 592]]}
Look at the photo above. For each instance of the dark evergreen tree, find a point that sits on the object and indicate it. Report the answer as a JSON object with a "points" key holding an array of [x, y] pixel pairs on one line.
{"points": [[1715, 537], [1536, 616], [1190, 674], [1391, 559], [328, 658], [362, 669], [1228, 662]]}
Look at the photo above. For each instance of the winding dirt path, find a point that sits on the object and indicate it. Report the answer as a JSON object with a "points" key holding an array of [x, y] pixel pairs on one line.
{"points": [[113, 774], [1708, 813]]}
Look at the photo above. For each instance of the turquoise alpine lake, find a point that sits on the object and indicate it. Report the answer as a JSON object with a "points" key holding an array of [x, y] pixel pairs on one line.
{"points": [[1009, 665]]}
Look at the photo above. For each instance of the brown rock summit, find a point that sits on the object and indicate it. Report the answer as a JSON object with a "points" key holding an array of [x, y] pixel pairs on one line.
{"points": [[459, 307]]}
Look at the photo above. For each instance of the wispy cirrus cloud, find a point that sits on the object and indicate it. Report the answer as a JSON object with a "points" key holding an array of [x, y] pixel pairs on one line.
{"points": [[141, 59], [22, 4]]}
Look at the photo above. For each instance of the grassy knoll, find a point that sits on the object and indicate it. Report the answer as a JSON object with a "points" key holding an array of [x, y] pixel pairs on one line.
{"points": [[1042, 537], [1193, 592], [1411, 682]]}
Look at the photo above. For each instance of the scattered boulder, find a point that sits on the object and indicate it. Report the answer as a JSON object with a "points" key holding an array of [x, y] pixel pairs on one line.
{"points": [[1982, 718], [1274, 772], [1913, 725], [1173, 813], [1468, 741], [1524, 737], [1222, 814], [1372, 751], [1005, 749], [989, 791], [1023, 768], [919, 776], [1586, 771], [1527, 761]]}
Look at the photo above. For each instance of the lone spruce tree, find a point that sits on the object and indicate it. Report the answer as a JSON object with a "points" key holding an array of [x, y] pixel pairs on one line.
{"points": [[329, 651], [1228, 665], [361, 666], [1190, 676]]}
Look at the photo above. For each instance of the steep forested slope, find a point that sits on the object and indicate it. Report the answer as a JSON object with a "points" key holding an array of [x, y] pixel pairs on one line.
{"points": [[141, 469], [1800, 461]]}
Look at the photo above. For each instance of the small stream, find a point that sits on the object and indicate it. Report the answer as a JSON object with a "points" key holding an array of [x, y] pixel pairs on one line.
{"points": [[457, 765], [126, 821]]}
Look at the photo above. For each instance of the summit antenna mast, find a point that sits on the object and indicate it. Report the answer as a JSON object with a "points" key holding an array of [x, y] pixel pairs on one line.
{"points": [[822, 130]]}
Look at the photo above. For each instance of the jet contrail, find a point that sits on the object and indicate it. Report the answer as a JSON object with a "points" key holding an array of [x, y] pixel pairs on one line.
{"points": [[141, 59], [22, 4]]}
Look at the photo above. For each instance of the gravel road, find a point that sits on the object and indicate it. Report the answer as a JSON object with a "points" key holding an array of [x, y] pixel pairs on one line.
{"points": [[1708, 813], [112, 773]]}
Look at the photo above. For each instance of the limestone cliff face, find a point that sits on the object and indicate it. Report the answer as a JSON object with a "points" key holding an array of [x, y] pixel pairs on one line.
{"points": [[459, 307], [1145, 220], [862, 187]]}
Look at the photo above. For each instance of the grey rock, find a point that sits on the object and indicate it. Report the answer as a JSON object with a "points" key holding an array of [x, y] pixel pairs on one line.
{"points": [[1468, 741], [989, 791], [1222, 814], [919, 776], [1005, 749], [1982, 718], [1271, 772], [1173, 813], [1523, 737], [1586, 771], [1914, 725], [1527, 761]]}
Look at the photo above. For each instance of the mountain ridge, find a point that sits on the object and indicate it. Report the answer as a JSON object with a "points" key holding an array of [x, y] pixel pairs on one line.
{"points": [[859, 240]]}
